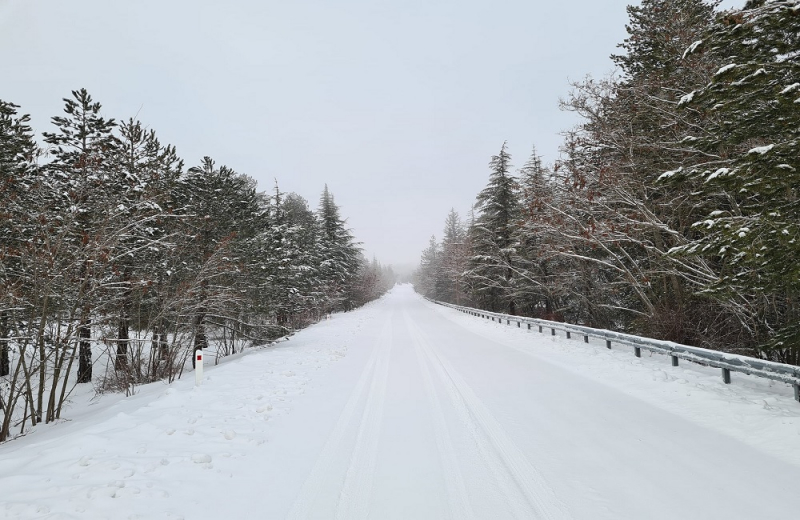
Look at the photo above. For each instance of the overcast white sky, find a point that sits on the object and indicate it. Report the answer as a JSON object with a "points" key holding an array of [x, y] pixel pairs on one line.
{"points": [[396, 105]]}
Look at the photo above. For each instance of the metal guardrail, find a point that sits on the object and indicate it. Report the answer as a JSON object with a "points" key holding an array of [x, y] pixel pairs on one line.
{"points": [[727, 363]]}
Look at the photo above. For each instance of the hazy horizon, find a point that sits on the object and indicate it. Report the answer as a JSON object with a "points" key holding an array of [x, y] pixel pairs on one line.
{"points": [[396, 106]]}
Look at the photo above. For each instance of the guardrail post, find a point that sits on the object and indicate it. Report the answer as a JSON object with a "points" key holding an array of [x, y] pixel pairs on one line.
{"points": [[529, 326], [569, 334], [608, 343], [637, 351], [519, 324], [796, 392], [540, 328], [586, 338], [726, 376], [552, 331], [508, 322], [674, 360]]}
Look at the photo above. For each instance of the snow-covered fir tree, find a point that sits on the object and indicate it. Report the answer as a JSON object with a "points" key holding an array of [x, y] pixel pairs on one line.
{"points": [[492, 269], [752, 145]]}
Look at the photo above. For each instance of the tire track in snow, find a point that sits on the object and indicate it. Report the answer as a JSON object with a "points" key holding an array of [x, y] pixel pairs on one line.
{"points": [[457, 496], [357, 489], [528, 494], [306, 499]]}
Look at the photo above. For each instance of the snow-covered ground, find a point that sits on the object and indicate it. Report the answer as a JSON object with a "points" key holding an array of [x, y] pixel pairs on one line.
{"points": [[405, 409]]}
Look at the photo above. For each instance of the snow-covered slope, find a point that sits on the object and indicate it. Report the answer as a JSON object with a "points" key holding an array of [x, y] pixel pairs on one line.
{"points": [[405, 409]]}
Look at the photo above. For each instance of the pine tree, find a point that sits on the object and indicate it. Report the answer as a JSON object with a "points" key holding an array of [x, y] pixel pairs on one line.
{"points": [[82, 148], [753, 145], [455, 258], [426, 277], [659, 31], [146, 172], [341, 254], [219, 207], [17, 153], [534, 288], [493, 240], [289, 262], [303, 258]]}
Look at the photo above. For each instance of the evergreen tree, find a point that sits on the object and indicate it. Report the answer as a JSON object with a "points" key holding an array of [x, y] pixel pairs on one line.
{"points": [[426, 277], [455, 259], [146, 173], [752, 145], [289, 262], [340, 253], [81, 170], [533, 287], [493, 240], [17, 153], [219, 207]]}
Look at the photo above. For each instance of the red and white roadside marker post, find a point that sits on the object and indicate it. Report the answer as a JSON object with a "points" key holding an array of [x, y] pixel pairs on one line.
{"points": [[198, 367]]}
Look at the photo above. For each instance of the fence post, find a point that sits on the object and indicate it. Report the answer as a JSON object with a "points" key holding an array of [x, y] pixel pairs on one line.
{"points": [[726, 376], [674, 360], [608, 343]]}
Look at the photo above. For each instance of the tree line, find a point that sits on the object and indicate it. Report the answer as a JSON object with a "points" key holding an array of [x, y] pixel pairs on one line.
{"points": [[673, 210], [111, 250]]}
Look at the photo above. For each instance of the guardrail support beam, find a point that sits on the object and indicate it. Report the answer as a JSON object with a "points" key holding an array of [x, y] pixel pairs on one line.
{"points": [[529, 326], [540, 328], [552, 331], [586, 338], [569, 334], [674, 360], [519, 324], [608, 344], [637, 351], [796, 392], [726, 376]]}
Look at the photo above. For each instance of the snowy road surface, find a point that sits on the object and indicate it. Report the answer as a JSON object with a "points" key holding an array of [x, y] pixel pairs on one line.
{"points": [[409, 410]]}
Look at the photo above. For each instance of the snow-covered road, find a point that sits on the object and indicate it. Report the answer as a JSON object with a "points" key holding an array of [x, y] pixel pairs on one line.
{"points": [[409, 410]]}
